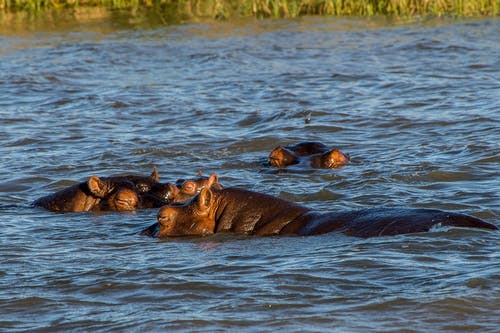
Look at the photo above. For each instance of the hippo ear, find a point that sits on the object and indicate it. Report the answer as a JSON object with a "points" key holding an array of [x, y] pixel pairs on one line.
{"points": [[172, 192], [205, 198], [281, 157], [97, 186], [276, 151], [213, 179], [213, 182], [334, 159], [154, 175]]}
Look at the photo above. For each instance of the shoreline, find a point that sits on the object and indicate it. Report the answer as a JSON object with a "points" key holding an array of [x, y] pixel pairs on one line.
{"points": [[185, 10]]}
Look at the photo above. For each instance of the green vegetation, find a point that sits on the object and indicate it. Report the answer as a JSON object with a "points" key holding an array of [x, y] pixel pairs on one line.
{"points": [[224, 9]]}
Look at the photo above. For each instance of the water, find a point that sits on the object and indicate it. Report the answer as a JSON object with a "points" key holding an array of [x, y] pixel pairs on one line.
{"points": [[416, 105]]}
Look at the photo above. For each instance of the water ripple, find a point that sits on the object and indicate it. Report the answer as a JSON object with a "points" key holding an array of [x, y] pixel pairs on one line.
{"points": [[415, 105]]}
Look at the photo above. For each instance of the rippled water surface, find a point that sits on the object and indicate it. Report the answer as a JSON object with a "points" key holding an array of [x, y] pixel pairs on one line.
{"points": [[416, 105]]}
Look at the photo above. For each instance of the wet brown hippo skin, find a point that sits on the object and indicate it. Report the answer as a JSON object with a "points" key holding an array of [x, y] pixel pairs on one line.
{"points": [[308, 148], [122, 199], [128, 199], [313, 154], [143, 184], [88, 195], [247, 212]]}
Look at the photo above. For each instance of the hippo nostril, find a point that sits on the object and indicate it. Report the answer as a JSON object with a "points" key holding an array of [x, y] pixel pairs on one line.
{"points": [[163, 219], [274, 161]]}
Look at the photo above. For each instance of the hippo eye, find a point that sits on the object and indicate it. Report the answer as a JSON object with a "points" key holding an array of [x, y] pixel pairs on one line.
{"points": [[167, 196], [143, 188]]}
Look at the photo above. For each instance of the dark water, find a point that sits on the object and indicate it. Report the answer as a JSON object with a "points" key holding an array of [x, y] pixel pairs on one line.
{"points": [[416, 105]]}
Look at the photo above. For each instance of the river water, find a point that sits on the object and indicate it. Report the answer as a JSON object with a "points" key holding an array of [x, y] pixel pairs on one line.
{"points": [[415, 104]]}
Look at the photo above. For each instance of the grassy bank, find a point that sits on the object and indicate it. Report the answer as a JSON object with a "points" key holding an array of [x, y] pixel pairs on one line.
{"points": [[224, 9]]}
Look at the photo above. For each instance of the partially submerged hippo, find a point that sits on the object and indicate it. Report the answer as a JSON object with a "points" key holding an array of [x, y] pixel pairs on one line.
{"points": [[246, 212], [124, 193], [313, 154], [112, 192]]}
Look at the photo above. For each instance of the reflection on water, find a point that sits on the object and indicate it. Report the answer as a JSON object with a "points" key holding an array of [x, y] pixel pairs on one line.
{"points": [[415, 104]]}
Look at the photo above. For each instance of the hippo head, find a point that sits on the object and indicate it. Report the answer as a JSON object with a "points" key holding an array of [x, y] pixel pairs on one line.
{"points": [[193, 218], [191, 187], [122, 199], [281, 157], [113, 193]]}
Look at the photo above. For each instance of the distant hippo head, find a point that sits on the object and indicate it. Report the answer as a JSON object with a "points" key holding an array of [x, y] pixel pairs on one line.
{"points": [[310, 154]]}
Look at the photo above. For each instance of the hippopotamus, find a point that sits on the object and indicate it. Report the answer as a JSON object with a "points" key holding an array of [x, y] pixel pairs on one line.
{"points": [[115, 192], [247, 212], [313, 154], [129, 192]]}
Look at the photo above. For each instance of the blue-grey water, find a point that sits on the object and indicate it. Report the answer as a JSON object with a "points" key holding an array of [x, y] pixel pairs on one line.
{"points": [[417, 105]]}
